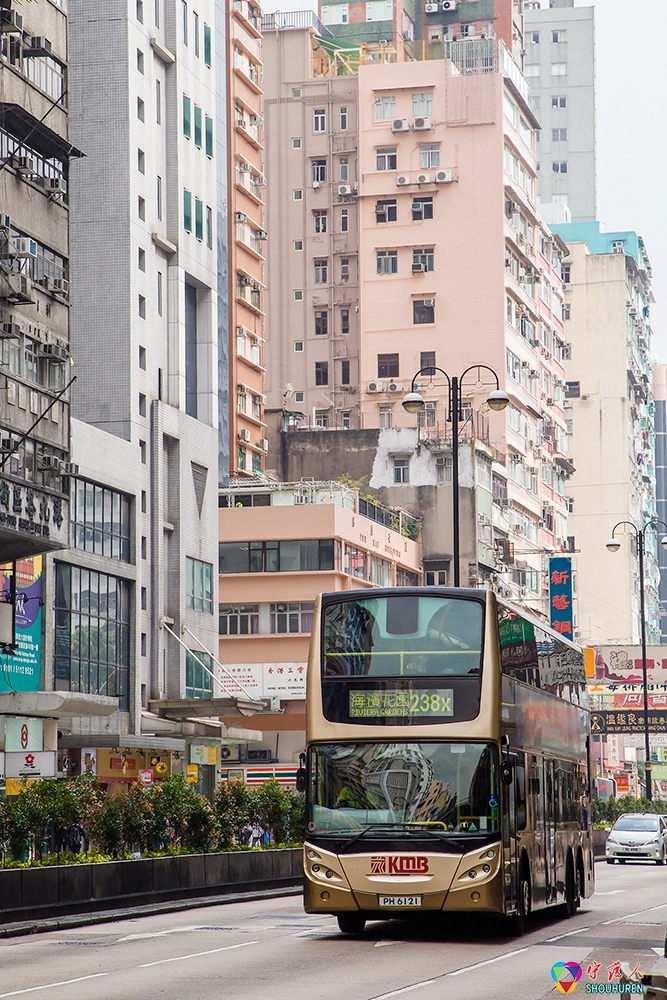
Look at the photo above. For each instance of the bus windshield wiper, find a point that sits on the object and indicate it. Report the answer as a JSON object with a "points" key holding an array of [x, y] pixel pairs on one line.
{"points": [[368, 829], [401, 828]]}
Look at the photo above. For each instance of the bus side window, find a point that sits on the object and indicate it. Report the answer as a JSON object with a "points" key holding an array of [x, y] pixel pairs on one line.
{"points": [[520, 795]]}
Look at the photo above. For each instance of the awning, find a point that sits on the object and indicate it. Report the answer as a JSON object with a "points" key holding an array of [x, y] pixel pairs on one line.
{"points": [[57, 705], [26, 128], [205, 708], [75, 741]]}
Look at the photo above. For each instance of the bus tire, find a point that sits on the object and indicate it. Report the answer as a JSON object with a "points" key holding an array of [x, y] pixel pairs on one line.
{"points": [[571, 901], [517, 922], [581, 878], [351, 923]]}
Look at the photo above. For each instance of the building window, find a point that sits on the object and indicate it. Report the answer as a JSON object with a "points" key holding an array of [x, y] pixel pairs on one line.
{"points": [[241, 457], [209, 227], [140, 11], [296, 92], [387, 365], [320, 221], [422, 208], [187, 211], [187, 117], [342, 119], [298, 245], [385, 417], [344, 220], [238, 619], [401, 470], [443, 469], [566, 273], [159, 293], [345, 321], [385, 108], [345, 373], [559, 69], [423, 311], [295, 617], [241, 399], [319, 168], [184, 21], [427, 362], [278, 557], [141, 161], [92, 633], [559, 135], [140, 60], [298, 294], [198, 127], [321, 323], [385, 158], [158, 197], [198, 671], [387, 261], [558, 36], [209, 137], [346, 420], [319, 120], [558, 100], [100, 520], [321, 373], [199, 219], [142, 358], [321, 272], [297, 194], [141, 262], [534, 37], [426, 417], [422, 104], [321, 418], [298, 346], [141, 110], [386, 210], [423, 259], [343, 169], [296, 143], [142, 306], [207, 45], [198, 585], [195, 33], [567, 310], [559, 167], [429, 155]]}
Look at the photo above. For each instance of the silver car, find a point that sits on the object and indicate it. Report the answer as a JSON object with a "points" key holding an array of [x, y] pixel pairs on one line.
{"points": [[638, 835]]}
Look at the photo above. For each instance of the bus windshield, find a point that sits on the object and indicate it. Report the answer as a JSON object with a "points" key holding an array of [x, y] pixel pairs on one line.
{"points": [[406, 635], [443, 786]]}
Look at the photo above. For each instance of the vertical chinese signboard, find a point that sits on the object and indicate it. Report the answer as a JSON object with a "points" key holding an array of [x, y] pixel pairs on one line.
{"points": [[22, 670], [560, 595]]}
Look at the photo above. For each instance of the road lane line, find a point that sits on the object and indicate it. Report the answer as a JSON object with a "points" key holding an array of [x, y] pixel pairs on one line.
{"points": [[569, 934], [157, 934], [489, 961], [407, 989], [197, 954], [637, 913], [48, 986]]}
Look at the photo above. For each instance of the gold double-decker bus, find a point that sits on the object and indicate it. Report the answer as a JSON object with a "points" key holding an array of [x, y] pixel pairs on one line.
{"points": [[448, 759]]}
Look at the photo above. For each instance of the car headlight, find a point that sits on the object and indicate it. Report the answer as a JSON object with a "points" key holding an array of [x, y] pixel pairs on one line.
{"points": [[656, 840]]}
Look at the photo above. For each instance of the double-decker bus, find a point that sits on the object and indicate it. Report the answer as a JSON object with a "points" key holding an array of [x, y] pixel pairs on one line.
{"points": [[447, 761]]}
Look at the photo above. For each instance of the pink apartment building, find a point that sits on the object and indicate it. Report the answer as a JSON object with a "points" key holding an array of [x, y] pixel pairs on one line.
{"points": [[281, 545]]}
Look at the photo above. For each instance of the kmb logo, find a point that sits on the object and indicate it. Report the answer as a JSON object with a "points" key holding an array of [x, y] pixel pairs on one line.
{"points": [[403, 865]]}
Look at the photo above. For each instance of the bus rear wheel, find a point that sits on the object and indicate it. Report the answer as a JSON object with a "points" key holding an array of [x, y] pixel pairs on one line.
{"points": [[351, 923], [516, 924], [571, 894]]}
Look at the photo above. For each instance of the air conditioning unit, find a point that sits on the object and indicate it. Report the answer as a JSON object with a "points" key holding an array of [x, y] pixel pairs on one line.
{"points": [[229, 754], [422, 124], [395, 387], [23, 164], [61, 286], [53, 185], [70, 469], [431, 8], [54, 351], [418, 268], [245, 167], [22, 246], [449, 4], [375, 387], [444, 176], [402, 179], [8, 330], [37, 46], [423, 178], [243, 390], [400, 125], [429, 303], [50, 462], [20, 286], [10, 22], [344, 189], [263, 444], [241, 217], [244, 434], [262, 234]]}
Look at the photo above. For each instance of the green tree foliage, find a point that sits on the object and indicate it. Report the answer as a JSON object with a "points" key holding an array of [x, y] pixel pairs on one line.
{"points": [[232, 809], [608, 810]]}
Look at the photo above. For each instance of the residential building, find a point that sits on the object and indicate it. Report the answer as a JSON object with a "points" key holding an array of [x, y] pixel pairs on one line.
{"points": [[145, 261], [423, 159], [611, 428], [247, 240], [560, 69], [659, 386], [281, 544]]}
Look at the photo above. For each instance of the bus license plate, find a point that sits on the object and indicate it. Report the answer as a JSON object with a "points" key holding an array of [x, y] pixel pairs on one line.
{"points": [[400, 900]]}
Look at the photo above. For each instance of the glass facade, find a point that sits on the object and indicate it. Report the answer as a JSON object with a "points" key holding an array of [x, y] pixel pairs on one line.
{"points": [[279, 557], [92, 640], [100, 520], [198, 682], [199, 585]]}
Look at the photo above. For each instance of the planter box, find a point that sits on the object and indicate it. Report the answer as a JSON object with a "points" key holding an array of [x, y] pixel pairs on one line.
{"points": [[34, 893]]}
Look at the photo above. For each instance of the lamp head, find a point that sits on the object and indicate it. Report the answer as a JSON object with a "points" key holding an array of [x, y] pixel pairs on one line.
{"points": [[613, 545], [498, 400], [663, 541], [413, 403]]}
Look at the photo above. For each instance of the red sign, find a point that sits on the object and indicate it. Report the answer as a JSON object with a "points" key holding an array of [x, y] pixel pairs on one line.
{"points": [[146, 777], [24, 737], [409, 864]]}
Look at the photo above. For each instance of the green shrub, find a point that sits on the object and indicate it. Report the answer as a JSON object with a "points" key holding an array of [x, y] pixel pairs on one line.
{"points": [[232, 809]]}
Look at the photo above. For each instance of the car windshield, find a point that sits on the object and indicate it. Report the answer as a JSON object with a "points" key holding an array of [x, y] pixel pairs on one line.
{"points": [[639, 824], [446, 787]]}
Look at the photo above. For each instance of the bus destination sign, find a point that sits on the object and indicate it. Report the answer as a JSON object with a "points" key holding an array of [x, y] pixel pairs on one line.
{"points": [[401, 704]]}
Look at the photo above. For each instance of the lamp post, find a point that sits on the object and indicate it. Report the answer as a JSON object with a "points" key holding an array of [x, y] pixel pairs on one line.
{"points": [[613, 545], [414, 403]]}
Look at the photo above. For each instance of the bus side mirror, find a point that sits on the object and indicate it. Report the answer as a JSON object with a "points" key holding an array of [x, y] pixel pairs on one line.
{"points": [[506, 772], [301, 774]]}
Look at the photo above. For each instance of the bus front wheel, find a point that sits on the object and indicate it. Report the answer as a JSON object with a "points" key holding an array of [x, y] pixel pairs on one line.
{"points": [[571, 894], [351, 923], [517, 922]]}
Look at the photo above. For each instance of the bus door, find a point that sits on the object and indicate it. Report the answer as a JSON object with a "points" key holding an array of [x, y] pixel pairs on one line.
{"points": [[513, 820], [535, 791], [550, 869]]}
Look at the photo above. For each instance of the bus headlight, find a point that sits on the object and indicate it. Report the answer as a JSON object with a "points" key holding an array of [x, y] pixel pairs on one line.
{"points": [[315, 868]]}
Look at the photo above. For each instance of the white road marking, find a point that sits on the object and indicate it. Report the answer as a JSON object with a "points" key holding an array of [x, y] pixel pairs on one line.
{"points": [[197, 954], [407, 989], [386, 944], [489, 961], [48, 986], [569, 934], [658, 951], [617, 920], [610, 892], [157, 934]]}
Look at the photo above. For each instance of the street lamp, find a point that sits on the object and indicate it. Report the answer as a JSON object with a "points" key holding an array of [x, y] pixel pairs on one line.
{"points": [[414, 403], [613, 545]]}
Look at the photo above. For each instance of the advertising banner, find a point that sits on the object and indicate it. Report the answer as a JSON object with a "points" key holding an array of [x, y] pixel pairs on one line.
{"points": [[619, 668], [22, 670], [265, 680], [22, 735], [560, 595], [201, 754], [627, 722], [31, 765]]}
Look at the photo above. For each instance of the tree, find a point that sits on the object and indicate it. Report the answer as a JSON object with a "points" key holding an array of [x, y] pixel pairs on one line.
{"points": [[232, 808]]}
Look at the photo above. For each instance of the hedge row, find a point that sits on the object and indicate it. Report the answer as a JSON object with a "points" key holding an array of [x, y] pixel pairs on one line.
{"points": [[608, 810]]}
